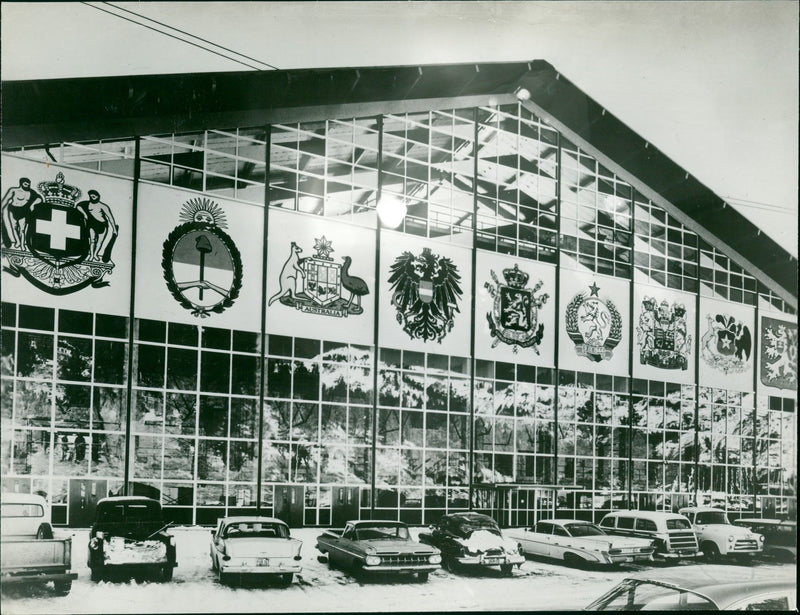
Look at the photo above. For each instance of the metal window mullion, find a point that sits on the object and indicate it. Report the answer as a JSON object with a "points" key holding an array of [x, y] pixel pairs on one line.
{"points": [[556, 301], [471, 427], [630, 352], [697, 376]]}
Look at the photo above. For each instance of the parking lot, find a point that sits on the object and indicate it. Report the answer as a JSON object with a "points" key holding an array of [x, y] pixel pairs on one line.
{"points": [[537, 585]]}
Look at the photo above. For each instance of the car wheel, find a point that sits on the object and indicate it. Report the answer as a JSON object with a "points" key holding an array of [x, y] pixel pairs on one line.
{"points": [[573, 560], [710, 550], [422, 577], [222, 578], [45, 532], [97, 573], [62, 588], [521, 550], [165, 574], [507, 569], [286, 579]]}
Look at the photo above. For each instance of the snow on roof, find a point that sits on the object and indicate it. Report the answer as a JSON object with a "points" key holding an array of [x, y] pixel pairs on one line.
{"points": [[645, 514], [22, 498], [251, 519]]}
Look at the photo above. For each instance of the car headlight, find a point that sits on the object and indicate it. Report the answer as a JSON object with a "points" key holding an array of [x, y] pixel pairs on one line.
{"points": [[94, 543], [730, 538], [372, 560], [761, 537], [435, 559], [100, 535]]}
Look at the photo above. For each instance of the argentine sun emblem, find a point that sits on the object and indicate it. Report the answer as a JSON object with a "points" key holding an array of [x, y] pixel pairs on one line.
{"points": [[778, 353], [726, 344], [594, 325], [202, 266], [57, 242], [426, 293], [514, 316]]}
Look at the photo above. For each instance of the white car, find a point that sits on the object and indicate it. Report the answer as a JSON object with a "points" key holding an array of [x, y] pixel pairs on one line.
{"points": [[580, 542], [718, 536], [254, 546], [25, 515]]}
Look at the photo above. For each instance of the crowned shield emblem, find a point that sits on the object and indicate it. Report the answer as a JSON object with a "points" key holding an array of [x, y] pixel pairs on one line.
{"points": [[778, 353], [662, 335], [317, 284], [58, 243], [593, 324], [726, 344], [514, 316], [202, 266]]}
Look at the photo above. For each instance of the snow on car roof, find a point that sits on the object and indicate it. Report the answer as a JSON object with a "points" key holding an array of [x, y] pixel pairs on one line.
{"points": [[22, 498], [566, 521], [252, 519], [766, 521], [646, 514], [127, 498], [701, 509]]}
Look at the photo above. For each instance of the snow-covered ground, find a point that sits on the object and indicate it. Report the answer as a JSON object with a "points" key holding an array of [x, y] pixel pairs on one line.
{"points": [[537, 585]]}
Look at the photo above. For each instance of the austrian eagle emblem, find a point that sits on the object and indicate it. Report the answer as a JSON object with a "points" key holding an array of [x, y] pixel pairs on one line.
{"points": [[426, 293]]}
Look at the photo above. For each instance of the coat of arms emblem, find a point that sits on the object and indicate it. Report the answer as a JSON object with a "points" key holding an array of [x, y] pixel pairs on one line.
{"points": [[726, 344], [514, 318], [316, 284], [202, 266], [57, 242], [593, 324], [662, 335], [426, 293], [778, 353]]}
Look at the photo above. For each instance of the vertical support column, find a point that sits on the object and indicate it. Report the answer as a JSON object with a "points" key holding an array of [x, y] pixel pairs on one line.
{"points": [[262, 355], [631, 325], [557, 323], [697, 379], [754, 417], [376, 321], [137, 167], [472, 360]]}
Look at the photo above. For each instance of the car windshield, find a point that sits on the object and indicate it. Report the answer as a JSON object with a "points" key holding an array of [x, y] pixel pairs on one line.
{"points": [[642, 595], [382, 532], [712, 516], [255, 530], [579, 530], [678, 524]]}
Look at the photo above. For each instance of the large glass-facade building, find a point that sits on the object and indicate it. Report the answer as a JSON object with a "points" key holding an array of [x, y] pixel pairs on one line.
{"points": [[229, 327]]}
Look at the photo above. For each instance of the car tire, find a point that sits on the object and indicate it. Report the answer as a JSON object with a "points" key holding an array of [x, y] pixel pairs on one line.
{"points": [[710, 550], [507, 569], [570, 559], [286, 579], [221, 577], [521, 550], [165, 573], [62, 588], [422, 577], [45, 532], [97, 573]]}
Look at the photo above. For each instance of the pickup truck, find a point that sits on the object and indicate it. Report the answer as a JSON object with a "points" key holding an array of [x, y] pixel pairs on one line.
{"points": [[378, 546], [718, 536], [128, 536], [29, 552]]}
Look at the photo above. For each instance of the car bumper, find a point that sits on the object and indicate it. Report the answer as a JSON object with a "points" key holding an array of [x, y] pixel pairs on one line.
{"points": [[626, 558], [137, 565], [400, 568], [32, 577], [672, 555], [479, 560], [260, 570]]}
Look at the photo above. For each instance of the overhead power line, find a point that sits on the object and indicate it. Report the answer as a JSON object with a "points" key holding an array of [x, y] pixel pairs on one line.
{"points": [[172, 36], [759, 204], [200, 38]]}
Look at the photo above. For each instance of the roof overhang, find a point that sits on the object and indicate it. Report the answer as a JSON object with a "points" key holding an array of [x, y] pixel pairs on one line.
{"points": [[41, 112]]}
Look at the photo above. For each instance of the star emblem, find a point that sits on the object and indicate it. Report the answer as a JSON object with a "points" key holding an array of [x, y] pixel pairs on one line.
{"points": [[726, 343], [595, 289], [323, 248]]}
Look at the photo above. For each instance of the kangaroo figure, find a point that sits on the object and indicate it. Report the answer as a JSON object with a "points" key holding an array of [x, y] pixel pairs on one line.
{"points": [[289, 274]]}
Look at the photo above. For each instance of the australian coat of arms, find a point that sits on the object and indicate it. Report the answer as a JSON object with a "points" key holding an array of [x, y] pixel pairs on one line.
{"points": [[514, 318], [662, 335], [593, 324], [316, 284], [202, 266], [426, 292], [778, 353], [726, 344], [58, 243]]}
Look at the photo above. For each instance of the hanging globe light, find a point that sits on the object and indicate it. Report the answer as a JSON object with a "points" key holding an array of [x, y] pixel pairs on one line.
{"points": [[391, 210]]}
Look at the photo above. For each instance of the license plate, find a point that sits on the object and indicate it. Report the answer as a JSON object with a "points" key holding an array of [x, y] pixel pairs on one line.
{"points": [[627, 559], [263, 561], [491, 561]]}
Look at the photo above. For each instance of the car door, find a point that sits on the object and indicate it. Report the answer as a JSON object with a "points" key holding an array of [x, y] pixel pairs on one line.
{"points": [[344, 546], [559, 542], [538, 539]]}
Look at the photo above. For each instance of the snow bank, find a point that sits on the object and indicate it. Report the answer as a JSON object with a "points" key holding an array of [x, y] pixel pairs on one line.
{"points": [[119, 550]]}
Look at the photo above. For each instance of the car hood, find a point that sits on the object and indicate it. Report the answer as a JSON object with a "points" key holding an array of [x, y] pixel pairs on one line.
{"points": [[395, 546], [724, 529], [483, 540], [262, 547]]}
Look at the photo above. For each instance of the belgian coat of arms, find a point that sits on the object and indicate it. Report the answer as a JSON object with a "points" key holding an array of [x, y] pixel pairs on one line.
{"points": [[316, 284], [594, 325], [514, 318], [426, 293], [726, 344], [58, 243], [662, 335], [778, 353], [202, 266]]}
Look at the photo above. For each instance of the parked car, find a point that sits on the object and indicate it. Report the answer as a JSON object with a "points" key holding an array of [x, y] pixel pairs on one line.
{"points": [[671, 533], [701, 588], [580, 542], [472, 539], [29, 554], [718, 536], [780, 537], [378, 546], [129, 536], [255, 547]]}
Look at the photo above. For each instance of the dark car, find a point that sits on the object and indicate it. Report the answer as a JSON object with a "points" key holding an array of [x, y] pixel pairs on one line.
{"points": [[472, 539], [780, 537], [129, 536]]}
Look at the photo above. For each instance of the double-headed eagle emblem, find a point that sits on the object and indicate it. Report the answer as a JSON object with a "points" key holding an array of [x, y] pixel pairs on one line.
{"points": [[426, 293]]}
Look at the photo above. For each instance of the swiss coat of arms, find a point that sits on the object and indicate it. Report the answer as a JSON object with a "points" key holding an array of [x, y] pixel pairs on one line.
{"points": [[726, 344], [316, 284], [202, 266], [514, 318], [594, 325], [58, 243], [426, 294], [778, 353], [662, 335]]}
